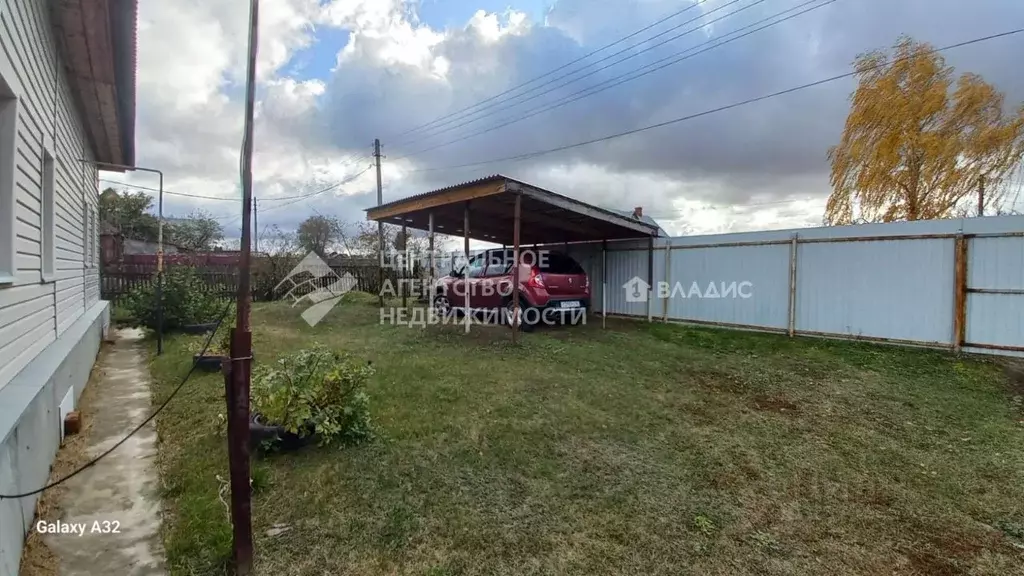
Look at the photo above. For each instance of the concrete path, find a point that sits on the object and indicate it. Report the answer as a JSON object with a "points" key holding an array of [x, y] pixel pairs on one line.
{"points": [[117, 500]]}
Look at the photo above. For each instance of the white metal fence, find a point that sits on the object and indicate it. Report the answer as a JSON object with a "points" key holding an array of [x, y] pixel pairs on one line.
{"points": [[948, 283]]}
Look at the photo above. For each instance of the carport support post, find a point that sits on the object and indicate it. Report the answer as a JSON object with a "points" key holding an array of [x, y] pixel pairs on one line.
{"points": [[604, 283], [650, 274], [405, 266], [465, 268], [430, 274], [514, 321]]}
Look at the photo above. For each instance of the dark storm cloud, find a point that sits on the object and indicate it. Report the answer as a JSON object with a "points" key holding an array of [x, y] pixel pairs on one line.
{"points": [[754, 151]]}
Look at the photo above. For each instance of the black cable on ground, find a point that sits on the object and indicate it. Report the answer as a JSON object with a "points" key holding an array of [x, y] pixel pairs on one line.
{"points": [[148, 419]]}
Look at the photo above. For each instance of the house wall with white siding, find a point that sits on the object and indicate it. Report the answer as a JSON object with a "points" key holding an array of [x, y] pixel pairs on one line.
{"points": [[34, 310], [50, 323]]}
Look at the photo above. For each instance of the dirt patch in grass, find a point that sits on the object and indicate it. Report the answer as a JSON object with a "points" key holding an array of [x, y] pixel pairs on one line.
{"points": [[715, 379], [927, 563], [1015, 377], [772, 404], [952, 554]]}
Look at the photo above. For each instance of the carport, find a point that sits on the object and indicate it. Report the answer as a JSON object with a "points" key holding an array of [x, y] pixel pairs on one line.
{"points": [[506, 211]]}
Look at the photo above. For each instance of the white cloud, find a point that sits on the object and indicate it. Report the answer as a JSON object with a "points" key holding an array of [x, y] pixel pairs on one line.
{"points": [[761, 166], [382, 32], [489, 26]]}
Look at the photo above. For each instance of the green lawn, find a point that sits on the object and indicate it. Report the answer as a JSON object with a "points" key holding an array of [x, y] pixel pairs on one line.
{"points": [[640, 449]]}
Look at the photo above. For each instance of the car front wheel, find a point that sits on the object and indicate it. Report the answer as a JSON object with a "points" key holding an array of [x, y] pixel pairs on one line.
{"points": [[442, 305]]}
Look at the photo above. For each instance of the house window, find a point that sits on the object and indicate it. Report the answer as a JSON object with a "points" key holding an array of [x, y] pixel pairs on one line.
{"points": [[8, 141], [48, 230]]}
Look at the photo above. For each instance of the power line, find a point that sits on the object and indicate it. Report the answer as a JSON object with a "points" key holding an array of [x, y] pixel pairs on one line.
{"points": [[646, 49], [115, 182], [633, 75], [550, 72], [329, 188], [528, 155], [318, 192], [353, 158]]}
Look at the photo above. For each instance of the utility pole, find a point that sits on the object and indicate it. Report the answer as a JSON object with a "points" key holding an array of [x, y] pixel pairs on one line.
{"points": [[380, 227], [237, 370], [255, 228], [981, 195]]}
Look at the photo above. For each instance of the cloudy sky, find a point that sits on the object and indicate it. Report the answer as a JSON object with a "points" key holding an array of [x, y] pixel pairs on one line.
{"points": [[450, 83]]}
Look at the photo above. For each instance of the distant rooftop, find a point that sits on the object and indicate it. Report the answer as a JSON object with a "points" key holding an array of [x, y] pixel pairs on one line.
{"points": [[647, 219]]}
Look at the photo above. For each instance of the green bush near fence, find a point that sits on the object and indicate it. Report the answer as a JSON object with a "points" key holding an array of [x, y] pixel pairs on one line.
{"points": [[187, 299]]}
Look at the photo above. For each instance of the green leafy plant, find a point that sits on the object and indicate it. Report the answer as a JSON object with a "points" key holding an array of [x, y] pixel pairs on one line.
{"points": [[704, 525], [186, 297], [220, 344], [315, 390], [765, 542]]}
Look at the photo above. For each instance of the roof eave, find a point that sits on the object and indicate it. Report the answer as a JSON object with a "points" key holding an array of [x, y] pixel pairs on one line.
{"points": [[97, 44]]}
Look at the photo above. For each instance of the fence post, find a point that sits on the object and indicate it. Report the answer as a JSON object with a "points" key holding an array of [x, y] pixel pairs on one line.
{"points": [[650, 277], [668, 280], [604, 283], [792, 284], [959, 292]]}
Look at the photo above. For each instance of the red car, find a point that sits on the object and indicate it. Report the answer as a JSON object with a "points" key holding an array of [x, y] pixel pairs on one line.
{"points": [[552, 287]]}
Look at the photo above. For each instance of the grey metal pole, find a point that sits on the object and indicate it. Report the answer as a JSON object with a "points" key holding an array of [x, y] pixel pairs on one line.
{"points": [[380, 227], [793, 249], [405, 265], [514, 321], [160, 270], [465, 268], [668, 280], [430, 274], [650, 275], [255, 228]]}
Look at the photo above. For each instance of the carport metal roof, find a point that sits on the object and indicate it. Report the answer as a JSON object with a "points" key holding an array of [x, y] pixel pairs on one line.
{"points": [[546, 217]]}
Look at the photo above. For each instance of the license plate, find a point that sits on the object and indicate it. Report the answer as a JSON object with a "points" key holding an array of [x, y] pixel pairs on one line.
{"points": [[569, 304]]}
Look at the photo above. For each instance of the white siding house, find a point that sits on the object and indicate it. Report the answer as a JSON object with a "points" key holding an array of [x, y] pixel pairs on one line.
{"points": [[67, 70]]}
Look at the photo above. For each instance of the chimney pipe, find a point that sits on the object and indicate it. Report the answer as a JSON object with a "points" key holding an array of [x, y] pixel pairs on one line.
{"points": [[638, 212]]}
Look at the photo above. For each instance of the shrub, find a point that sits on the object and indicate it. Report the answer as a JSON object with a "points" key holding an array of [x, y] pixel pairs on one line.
{"points": [[187, 300], [315, 390]]}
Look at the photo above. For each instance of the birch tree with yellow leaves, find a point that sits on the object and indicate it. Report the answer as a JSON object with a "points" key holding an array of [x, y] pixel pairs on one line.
{"points": [[915, 145]]}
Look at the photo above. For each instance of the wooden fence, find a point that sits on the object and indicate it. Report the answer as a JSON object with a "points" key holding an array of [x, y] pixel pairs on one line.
{"points": [[117, 281]]}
